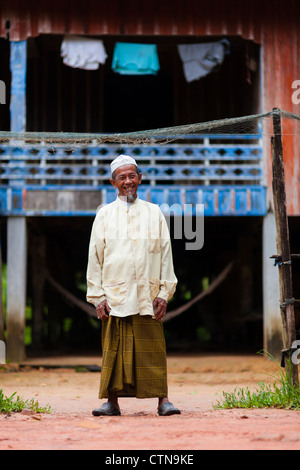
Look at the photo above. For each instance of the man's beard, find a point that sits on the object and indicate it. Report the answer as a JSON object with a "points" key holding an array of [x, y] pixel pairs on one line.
{"points": [[131, 198]]}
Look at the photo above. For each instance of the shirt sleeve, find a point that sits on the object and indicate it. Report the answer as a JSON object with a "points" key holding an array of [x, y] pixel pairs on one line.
{"points": [[95, 293], [168, 280]]}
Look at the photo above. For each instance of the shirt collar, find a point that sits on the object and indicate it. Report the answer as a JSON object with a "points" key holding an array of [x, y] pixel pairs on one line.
{"points": [[125, 204]]}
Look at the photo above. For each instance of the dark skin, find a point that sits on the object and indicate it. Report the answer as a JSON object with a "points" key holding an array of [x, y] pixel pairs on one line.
{"points": [[159, 304], [127, 180]]}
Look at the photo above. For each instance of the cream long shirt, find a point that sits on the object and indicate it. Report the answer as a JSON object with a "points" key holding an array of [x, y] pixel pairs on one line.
{"points": [[130, 258]]}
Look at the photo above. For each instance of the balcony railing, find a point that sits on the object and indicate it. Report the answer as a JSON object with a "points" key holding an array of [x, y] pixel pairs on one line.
{"points": [[230, 159], [201, 164]]}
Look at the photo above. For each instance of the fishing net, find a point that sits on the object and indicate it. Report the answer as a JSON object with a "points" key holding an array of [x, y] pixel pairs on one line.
{"points": [[256, 125], [218, 152]]}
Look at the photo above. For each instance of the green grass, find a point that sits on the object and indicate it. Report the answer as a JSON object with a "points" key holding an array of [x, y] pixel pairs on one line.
{"points": [[12, 403], [281, 394]]}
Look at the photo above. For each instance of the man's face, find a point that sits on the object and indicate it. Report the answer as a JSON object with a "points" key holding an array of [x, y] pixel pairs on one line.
{"points": [[127, 181]]}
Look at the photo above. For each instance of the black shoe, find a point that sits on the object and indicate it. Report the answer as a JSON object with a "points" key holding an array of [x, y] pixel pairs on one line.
{"points": [[168, 409], [107, 409]]}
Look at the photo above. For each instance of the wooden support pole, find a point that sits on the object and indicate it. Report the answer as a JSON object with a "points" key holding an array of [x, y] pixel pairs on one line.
{"points": [[18, 68], [283, 245], [17, 226]]}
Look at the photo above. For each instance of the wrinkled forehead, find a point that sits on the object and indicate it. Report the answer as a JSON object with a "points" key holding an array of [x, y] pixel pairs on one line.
{"points": [[125, 169]]}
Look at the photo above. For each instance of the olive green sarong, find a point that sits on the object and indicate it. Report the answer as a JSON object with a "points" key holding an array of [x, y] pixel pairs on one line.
{"points": [[133, 357]]}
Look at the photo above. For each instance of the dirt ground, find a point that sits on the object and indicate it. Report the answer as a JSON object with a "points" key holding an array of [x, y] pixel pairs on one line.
{"points": [[196, 382]]}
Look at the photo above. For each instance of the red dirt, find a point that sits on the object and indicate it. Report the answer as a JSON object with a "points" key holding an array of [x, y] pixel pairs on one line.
{"points": [[195, 384]]}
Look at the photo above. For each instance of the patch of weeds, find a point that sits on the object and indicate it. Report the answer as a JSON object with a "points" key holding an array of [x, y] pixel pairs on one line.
{"points": [[12, 403], [282, 394]]}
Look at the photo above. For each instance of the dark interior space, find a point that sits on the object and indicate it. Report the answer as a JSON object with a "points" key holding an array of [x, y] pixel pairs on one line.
{"points": [[294, 232], [62, 98], [5, 77], [133, 102]]}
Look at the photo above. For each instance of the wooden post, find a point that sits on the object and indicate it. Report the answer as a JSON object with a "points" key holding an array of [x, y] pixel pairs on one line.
{"points": [[17, 226], [18, 68], [283, 245]]}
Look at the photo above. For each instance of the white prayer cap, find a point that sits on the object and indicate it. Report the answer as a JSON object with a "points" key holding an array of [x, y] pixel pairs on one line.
{"points": [[122, 160]]}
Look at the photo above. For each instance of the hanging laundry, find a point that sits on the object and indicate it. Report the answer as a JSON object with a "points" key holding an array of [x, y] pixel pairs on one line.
{"points": [[201, 59], [135, 59], [83, 53]]}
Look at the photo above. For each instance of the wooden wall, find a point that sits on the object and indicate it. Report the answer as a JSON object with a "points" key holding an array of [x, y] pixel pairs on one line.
{"points": [[271, 23]]}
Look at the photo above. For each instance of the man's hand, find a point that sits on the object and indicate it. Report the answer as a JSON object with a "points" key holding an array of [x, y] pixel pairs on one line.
{"points": [[161, 307], [101, 310]]}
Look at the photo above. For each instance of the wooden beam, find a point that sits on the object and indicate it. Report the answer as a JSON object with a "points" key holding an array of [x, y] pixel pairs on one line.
{"points": [[18, 68], [283, 245], [16, 226]]}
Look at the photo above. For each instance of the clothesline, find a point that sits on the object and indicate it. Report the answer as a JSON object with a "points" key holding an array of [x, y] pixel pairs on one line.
{"points": [[198, 60]]}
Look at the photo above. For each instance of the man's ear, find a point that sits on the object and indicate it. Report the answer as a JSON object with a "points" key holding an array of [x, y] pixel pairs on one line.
{"points": [[113, 183]]}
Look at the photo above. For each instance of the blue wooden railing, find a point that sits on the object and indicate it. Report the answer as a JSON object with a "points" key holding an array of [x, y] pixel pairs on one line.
{"points": [[223, 172]]}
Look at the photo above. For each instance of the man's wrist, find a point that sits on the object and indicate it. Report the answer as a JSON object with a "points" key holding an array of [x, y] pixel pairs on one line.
{"points": [[163, 296], [100, 300]]}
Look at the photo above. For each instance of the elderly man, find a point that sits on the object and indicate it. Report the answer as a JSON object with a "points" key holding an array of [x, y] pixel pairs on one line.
{"points": [[130, 278]]}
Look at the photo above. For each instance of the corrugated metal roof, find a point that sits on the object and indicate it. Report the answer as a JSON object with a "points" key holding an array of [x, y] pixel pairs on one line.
{"points": [[131, 17]]}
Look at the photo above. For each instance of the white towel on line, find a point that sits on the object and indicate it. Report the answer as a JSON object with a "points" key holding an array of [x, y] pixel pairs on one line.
{"points": [[81, 52], [200, 59]]}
